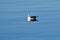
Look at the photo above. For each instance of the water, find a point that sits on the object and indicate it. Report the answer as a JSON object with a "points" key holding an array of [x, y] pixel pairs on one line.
{"points": [[14, 25]]}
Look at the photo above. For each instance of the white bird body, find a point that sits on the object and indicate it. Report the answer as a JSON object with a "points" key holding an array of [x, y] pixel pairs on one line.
{"points": [[29, 19]]}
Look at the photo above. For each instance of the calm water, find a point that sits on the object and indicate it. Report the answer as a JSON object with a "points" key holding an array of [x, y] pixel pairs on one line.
{"points": [[14, 25]]}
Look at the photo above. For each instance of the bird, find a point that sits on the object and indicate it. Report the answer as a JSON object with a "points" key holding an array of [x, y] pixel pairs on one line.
{"points": [[32, 18]]}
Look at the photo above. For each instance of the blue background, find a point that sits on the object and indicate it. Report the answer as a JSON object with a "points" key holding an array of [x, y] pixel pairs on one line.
{"points": [[14, 25]]}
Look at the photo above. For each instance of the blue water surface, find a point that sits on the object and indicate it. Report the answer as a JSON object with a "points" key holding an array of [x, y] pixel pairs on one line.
{"points": [[14, 25]]}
